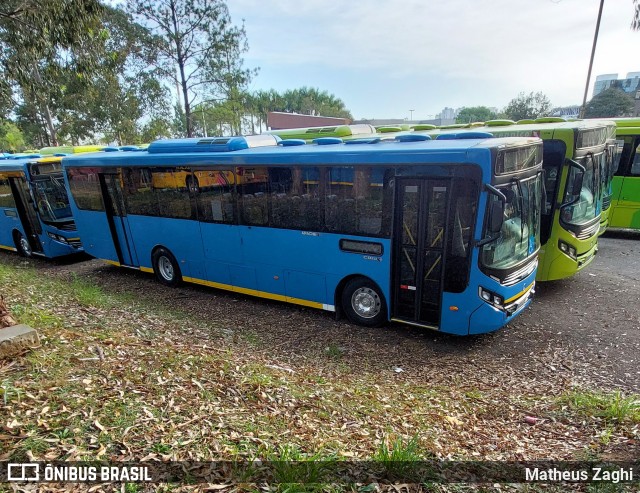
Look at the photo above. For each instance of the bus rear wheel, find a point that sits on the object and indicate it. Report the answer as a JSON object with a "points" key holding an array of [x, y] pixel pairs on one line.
{"points": [[192, 183], [166, 268], [364, 303], [22, 245]]}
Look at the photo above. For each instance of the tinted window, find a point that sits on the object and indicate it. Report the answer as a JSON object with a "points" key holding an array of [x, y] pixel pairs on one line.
{"points": [[296, 200], [138, 191], [170, 188], [215, 195], [85, 188], [635, 165], [254, 195], [354, 200], [6, 196]]}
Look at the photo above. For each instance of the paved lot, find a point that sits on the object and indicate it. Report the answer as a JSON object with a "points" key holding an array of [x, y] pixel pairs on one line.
{"points": [[582, 330]]}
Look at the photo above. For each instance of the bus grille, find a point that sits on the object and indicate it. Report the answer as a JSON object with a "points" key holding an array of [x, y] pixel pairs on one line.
{"points": [[520, 274], [68, 227], [589, 232], [75, 243]]}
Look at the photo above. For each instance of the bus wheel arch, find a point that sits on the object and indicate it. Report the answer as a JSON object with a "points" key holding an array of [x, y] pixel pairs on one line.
{"points": [[22, 244], [165, 266], [362, 301]]}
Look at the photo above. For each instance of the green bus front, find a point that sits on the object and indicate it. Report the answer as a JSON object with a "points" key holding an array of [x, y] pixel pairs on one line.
{"points": [[625, 199], [577, 156]]}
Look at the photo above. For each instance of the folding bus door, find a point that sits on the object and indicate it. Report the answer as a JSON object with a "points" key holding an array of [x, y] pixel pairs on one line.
{"points": [[111, 186], [422, 207], [27, 212]]}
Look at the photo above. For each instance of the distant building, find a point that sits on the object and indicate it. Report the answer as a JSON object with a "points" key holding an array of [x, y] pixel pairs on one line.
{"points": [[566, 112], [277, 120], [447, 114], [630, 84]]}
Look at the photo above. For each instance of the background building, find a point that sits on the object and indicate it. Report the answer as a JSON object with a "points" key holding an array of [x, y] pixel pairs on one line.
{"points": [[277, 120], [630, 84]]}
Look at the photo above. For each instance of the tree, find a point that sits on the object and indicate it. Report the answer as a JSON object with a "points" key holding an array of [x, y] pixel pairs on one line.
{"points": [[635, 23], [199, 47], [475, 114], [612, 102], [525, 106], [39, 37], [11, 138]]}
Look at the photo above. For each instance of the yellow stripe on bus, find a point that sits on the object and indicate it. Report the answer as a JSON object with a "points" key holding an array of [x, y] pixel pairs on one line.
{"points": [[11, 249], [236, 289], [255, 292], [117, 264], [521, 293]]}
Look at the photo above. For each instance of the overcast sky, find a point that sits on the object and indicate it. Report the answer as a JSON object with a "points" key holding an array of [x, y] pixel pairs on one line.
{"points": [[386, 57]]}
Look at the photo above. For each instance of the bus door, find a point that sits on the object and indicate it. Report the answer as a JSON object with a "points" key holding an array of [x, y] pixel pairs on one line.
{"points": [[27, 212], [419, 245], [111, 186]]}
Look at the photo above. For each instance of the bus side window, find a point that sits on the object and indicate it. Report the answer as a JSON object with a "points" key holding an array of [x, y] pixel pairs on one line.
{"points": [[254, 195], [140, 197], [85, 188], [216, 195], [295, 198], [461, 220], [6, 196], [635, 165], [354, 200], [172, 193]]}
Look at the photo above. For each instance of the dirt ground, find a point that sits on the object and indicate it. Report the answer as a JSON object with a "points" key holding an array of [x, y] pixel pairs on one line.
{"points": [[585, 329]]}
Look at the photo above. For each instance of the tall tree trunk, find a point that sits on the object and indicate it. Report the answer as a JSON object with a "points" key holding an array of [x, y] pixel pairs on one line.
{"points": [[181, 64], [44, 109]]}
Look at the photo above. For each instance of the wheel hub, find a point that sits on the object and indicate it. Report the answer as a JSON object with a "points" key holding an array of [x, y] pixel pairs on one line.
{"points": [[166, 268], [366, 302]]}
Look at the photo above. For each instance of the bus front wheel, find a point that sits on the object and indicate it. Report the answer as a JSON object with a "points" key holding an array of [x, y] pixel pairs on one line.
{"points": [[364, 303], [166, 268], [22, 245]]}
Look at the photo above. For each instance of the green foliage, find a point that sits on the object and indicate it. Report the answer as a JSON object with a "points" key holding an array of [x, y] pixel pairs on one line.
{"points": [[613, 407], [612, 102], [525, 106], [11, 138], [475, 114], [399, 458], [199, 49]]}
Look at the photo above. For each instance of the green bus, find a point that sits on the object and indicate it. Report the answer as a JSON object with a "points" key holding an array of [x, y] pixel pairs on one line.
{"points": [[625, 203], [578, 162]]}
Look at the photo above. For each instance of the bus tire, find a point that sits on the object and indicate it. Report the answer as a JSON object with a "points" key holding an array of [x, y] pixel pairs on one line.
{"points": [[364, 303], [192, 183], [166, 268], [22, 244]]}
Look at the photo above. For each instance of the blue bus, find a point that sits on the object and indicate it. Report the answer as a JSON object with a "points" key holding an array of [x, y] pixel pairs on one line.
{"points": [[35, 216], [437, 234]]}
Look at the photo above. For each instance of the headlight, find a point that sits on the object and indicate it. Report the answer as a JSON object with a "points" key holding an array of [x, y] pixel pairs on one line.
{"points": [[56, 237], [567, 249], [491, 298]]}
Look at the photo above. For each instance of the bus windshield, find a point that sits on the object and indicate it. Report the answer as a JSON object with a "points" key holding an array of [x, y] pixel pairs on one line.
{"points": [[520, 234], [582, 208], [52, 199]]}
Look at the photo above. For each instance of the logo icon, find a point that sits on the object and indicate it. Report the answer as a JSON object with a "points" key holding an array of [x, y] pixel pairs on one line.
{"points": [[23, 472]]}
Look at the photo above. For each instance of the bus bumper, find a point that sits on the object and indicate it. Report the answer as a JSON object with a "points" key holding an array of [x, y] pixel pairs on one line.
{"points": [[488, 318], [564, 266]]}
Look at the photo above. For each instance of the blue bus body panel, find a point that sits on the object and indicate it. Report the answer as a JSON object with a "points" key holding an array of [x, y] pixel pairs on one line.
{"points": [[292, 265]]}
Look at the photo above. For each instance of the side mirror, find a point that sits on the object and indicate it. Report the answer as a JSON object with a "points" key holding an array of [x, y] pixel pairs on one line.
{"points": [[576, 186], [496, 216]]}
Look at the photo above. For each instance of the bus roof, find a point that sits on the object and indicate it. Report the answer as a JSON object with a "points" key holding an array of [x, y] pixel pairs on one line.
{"points": [[13, 164], [192, 151], [626, 122], [70, 149]]}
